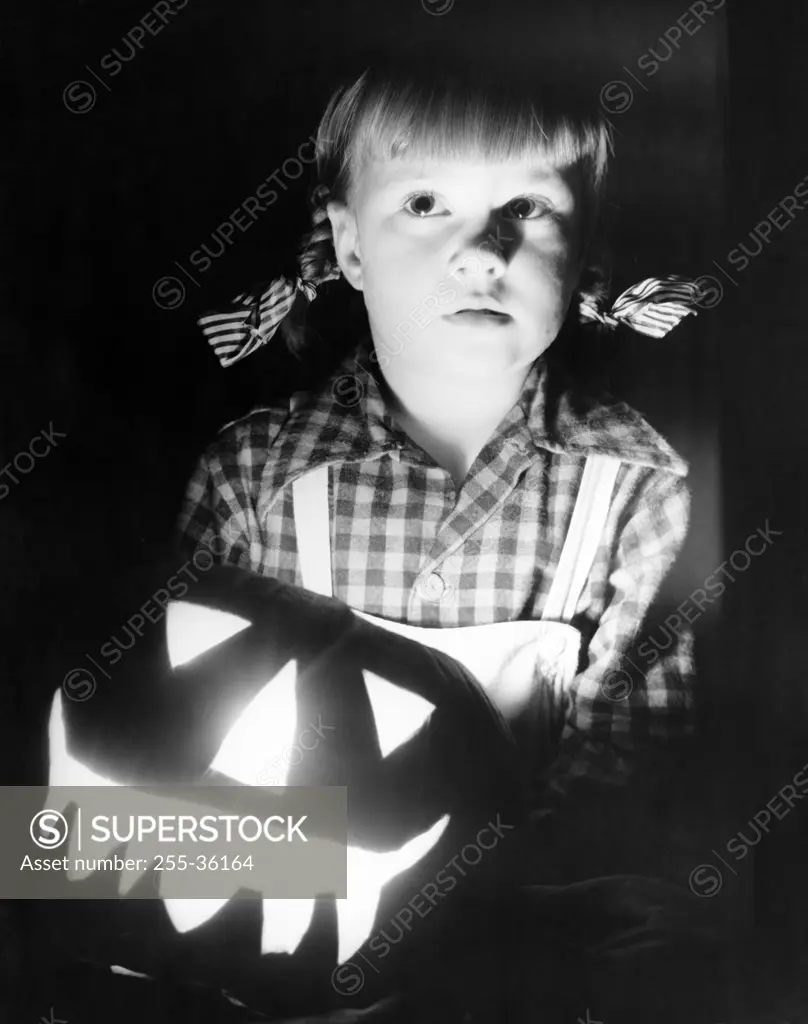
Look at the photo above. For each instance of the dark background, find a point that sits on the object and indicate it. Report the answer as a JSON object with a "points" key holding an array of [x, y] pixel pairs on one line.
{"points": [[99, 205]]}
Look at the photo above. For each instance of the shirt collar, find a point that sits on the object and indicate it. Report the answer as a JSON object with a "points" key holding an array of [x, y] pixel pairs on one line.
{"points": [[349, 420], [563, 420]]}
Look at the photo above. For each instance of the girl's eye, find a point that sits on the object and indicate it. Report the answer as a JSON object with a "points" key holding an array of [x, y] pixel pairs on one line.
{"points": [[420, 204], [526, 208]]}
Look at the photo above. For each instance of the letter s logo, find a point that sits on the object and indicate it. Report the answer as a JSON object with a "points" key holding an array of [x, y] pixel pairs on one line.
{"points": [[48, 829]]}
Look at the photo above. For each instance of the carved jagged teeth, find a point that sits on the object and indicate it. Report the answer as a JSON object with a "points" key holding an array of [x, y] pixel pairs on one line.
{"points": [[368, 873], [285, 922], [188, 914]]}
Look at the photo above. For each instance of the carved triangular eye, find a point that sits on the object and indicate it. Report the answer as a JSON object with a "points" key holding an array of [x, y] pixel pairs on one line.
{"points": [[192, 629], [399, 713]]}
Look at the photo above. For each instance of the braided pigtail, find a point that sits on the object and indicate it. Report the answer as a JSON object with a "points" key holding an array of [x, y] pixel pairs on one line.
{"points": [[593, 289], [318, 264], [318, 261]]}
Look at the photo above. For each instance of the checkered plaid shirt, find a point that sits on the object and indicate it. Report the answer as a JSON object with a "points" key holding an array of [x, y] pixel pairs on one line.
{"points": [[397, 520]]}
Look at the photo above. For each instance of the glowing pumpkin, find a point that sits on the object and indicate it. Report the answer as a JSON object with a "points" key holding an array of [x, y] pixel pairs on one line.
{"points": [[225, 687]]}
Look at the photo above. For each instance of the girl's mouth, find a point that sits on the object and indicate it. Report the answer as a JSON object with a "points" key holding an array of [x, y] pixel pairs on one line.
{"points": [[480, 317]]}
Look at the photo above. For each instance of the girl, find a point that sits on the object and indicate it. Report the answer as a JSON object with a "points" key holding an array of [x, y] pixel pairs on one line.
{"points": [[448, 479]]}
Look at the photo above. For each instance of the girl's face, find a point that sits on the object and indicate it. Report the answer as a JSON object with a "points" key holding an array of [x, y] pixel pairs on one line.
{"points": [[467, 268]]}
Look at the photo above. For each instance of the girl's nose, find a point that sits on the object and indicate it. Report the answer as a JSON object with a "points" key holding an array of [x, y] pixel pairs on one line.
{"points": [[479, 259], [479, 262], [483, 252]]}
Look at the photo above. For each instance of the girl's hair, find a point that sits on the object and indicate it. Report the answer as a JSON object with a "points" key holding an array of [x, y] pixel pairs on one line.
{"points": [[453, 112]]}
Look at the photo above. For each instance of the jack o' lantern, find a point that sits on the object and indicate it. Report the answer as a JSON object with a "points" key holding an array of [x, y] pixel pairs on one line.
{"points": [[223, 688]]}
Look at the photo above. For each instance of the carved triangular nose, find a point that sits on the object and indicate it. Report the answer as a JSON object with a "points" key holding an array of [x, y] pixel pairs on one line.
{"points": [[257, 747]]}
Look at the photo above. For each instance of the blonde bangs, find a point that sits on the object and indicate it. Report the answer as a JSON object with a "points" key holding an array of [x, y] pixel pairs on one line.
{"points": [[387, 116]]}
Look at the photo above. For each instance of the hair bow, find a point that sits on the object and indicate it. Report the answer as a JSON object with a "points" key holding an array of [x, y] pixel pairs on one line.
{"points": [[254, 317], [653, 307]]}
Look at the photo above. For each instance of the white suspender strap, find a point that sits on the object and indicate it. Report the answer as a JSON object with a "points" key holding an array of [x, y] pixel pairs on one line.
{"points": [[312, 524], [313, 530], [584, 534]]}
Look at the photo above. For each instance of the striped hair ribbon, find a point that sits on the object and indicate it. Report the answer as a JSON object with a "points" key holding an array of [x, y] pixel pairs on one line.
{"points": [[254, 317], [653, 307]]}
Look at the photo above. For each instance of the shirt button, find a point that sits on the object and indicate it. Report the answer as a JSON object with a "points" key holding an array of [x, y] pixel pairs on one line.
{"points": [[433, 587]]}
